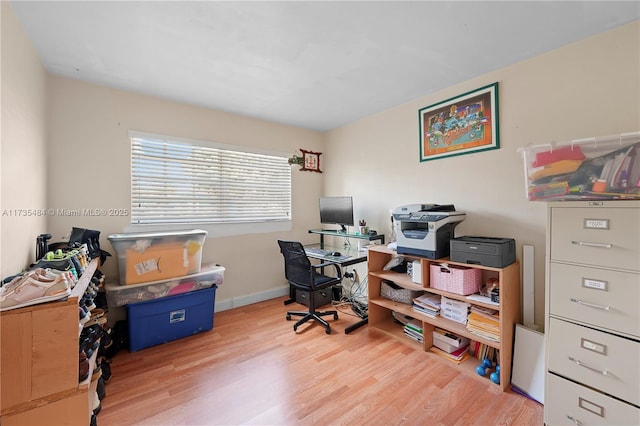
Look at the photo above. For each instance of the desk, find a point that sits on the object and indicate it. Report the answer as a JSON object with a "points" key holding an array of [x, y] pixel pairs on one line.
{"points": [[336, 233], [350, 256], [354, 256]]}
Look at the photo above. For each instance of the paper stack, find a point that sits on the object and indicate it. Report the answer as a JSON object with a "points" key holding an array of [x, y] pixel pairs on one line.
{"points": [[484, 322], [450, 346], [413, 329], [427, 304], [454, 310]]}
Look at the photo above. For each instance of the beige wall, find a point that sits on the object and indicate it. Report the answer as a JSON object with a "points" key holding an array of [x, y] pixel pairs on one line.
{"points": [[23, 152], [590, 88], [586, 89], [89, 143]]}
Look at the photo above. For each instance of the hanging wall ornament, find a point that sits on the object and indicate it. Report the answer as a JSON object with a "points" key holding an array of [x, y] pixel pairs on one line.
{"points": [[311, 161]]}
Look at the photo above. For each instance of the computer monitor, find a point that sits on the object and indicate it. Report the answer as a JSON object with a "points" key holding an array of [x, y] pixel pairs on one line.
{"points": [[337, 211]]}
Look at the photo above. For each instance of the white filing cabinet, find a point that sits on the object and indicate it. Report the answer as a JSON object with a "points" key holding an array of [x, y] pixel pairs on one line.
{"points": [[593, 320]]}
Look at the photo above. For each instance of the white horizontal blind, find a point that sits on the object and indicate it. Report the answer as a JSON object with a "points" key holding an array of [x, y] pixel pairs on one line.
{"points": [[175, 182]]}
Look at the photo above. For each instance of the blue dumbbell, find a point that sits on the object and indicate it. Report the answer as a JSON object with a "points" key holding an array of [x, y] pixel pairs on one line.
{"points": [[495, 377], [482, 368]]}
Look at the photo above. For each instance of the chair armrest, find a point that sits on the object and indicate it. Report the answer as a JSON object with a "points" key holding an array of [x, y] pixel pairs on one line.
{"points": [[327, 264]]}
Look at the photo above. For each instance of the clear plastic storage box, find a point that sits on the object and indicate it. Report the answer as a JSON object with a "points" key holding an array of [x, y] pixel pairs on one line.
{"points": [[606, 168], [118, 295], [152, 256]]}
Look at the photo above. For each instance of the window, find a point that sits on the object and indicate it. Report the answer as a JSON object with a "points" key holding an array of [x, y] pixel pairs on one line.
{"points": [[178, 182]]}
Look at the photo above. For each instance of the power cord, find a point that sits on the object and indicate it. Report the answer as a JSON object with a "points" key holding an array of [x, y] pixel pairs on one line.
{"points": [[358, 308]]}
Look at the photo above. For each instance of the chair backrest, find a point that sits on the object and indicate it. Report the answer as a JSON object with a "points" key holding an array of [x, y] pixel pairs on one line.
{"points": [[297, 266]]}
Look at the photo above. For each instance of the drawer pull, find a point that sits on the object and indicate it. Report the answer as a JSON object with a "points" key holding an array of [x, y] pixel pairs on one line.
{"points": [[580, 302], [575, 421], [582, 243], [581, 364]]}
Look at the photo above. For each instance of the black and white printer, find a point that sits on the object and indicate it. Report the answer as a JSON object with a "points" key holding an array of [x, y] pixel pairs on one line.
{"points": [[425, 229]]}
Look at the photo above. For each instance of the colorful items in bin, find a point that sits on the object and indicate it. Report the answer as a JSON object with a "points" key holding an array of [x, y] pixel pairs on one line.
{"points": [[587, 169], [209, 276], [567, 153]]}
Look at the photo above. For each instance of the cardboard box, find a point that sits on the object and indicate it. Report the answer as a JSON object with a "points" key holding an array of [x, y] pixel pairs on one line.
{"points": [[154, 256], [160, 321]]}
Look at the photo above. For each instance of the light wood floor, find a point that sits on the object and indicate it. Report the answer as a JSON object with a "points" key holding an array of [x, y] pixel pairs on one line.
{"points": [[253, 369]]}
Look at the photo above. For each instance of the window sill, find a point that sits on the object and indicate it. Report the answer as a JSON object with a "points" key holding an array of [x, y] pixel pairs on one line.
{"points": [[217, 229]]}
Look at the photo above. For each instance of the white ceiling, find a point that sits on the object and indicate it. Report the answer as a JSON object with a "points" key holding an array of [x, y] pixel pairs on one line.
{"points": [[312, 64]]}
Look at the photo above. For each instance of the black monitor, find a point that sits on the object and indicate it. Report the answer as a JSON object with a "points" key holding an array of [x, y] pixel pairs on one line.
{"points": [[337, 211]]}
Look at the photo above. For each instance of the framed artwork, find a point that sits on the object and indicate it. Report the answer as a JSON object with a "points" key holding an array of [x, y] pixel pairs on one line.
{"points": [[311, 161], [464, 124]]}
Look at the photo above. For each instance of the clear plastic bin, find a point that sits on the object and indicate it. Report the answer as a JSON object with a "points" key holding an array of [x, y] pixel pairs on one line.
{"points": [[153, 256], [118, 295], [606, 168]]}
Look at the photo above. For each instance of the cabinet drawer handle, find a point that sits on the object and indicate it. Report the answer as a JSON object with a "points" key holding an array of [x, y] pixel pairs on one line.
{"points": [[582, 243], [580, 302], [581, 364], [575, 421]]}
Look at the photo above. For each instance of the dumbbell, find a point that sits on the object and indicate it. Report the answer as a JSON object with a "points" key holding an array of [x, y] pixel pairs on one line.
{"points": [[482, 368], [495, 377]]}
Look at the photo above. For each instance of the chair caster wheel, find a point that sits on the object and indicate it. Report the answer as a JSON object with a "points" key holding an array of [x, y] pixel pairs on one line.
{"points": [[328, 331], [295, 328], [335, 316], [288, 317]]}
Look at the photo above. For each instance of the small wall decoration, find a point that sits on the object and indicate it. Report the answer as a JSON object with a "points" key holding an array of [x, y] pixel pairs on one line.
{"points": [[460, 125], [311, 161]]}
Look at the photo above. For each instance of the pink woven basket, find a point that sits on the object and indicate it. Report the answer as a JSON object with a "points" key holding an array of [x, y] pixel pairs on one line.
{"points": [[455, 279]]}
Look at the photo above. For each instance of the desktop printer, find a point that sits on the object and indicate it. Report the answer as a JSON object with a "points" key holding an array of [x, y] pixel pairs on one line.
{"points": [[425, 229]]}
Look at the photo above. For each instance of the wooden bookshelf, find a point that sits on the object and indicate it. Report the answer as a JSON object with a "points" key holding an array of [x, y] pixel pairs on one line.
{"points": [[381, 319]]}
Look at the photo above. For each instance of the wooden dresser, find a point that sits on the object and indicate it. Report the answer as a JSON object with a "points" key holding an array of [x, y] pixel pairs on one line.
{"points": [[592, 313]]}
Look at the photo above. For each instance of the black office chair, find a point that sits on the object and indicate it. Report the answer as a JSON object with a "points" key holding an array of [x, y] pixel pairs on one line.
{"points": [[304, 276]]}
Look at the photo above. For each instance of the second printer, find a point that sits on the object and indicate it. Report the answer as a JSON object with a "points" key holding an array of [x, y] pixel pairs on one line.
{"points": [[425, 229]]}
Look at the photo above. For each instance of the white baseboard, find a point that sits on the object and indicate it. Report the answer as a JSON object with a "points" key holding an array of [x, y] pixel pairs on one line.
{"points": [[235, 302]]}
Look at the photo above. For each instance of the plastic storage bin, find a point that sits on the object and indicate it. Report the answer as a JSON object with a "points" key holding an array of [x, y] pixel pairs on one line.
{"points": [[606, 168], [120, 295], [154, 256], [160, 321], [455, 279]]}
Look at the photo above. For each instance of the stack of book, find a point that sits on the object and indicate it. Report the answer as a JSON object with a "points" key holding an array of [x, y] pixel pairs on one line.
{"points": [[450, 346], [428, 304], [483, 351], [484, 322], [413, 329]]}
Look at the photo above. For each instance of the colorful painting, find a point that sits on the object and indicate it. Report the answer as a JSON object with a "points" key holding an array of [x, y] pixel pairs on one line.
{"points": [[461, 125]]}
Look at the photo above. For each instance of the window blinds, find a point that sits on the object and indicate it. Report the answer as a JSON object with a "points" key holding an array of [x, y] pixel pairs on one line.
{"points": [[175, 182]]}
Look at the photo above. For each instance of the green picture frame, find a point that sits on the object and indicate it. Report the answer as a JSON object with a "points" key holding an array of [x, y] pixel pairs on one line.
{"points": [[465, 124]]}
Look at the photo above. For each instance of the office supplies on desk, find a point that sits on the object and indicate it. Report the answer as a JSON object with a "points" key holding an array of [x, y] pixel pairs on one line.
{"points": [[425, 229], [330, 255]]}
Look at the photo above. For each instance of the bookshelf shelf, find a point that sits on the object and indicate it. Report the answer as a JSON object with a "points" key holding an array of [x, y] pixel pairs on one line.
{"points": [[381, 319]]}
